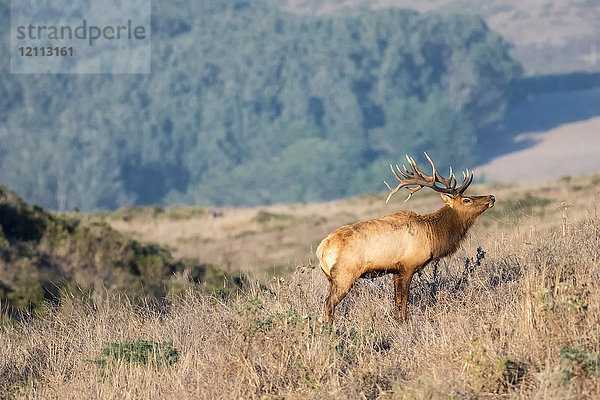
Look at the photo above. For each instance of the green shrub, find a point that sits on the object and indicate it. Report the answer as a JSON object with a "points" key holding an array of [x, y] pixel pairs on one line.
{"points": [[142, 352], [19, 220], [151, 260], [215, 280], [577, 360]]}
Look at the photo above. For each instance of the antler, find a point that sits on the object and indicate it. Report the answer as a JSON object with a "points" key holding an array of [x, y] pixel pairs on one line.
{"points": [[416, 179]]}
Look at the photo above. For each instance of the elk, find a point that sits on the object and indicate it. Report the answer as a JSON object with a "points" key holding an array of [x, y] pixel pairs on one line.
{"points": [[401, 243]]}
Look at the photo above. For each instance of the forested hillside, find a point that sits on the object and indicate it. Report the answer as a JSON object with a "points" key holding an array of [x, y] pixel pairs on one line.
{"points": [[547, 37], [247, 104]]}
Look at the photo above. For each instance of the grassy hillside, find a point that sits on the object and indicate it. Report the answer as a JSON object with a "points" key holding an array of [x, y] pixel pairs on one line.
{"points": [[513, 314], [43, 256]]}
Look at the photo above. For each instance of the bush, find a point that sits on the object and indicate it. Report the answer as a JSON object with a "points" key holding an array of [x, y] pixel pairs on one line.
{"points": [[141, 352]]}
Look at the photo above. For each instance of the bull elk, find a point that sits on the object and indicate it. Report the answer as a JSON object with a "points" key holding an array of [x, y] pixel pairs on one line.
{"points": [[402, 243]]}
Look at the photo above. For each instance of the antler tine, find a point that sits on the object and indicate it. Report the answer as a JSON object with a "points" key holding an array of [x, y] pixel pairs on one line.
{"points": [[412, 190], [452, 177], [404, 174], [468, 178], [408, 178], [420, 173], [432, 165], [392, 191], [395, 174], [439, 178]]}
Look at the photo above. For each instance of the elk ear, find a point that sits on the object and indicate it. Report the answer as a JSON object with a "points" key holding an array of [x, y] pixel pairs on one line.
{"points": [[448, 199]]}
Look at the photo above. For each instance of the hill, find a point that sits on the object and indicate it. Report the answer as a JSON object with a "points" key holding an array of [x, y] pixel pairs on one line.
{"points": [[513, 314], [44, 256], [549, 37], [570, 149]]}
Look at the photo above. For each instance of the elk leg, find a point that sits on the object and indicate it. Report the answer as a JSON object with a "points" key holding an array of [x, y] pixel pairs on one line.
{"points": [[337, 292], [401, 290]]}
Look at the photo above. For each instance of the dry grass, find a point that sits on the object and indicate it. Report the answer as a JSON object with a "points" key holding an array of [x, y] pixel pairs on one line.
{"points": [[522, 322]]}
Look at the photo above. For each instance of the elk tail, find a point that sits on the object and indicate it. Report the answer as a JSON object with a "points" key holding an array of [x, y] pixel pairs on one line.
{"points": [[327, 257]]}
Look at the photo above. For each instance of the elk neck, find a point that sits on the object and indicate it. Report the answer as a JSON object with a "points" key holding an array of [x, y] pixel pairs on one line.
{"points": [[447, 229]]}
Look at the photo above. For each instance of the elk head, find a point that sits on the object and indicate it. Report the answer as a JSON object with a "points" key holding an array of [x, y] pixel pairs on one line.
{"points": [[453, 196]]}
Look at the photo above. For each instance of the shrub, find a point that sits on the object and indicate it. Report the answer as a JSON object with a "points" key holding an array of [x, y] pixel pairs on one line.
{"points": [[142, 352], [577, 360]]}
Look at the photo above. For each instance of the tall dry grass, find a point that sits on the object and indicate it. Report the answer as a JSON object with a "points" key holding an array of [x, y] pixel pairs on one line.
{"points": [[520, 321]]}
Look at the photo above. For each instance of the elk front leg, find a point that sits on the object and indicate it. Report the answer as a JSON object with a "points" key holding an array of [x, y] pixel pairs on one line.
{"points": [[401, 290]]}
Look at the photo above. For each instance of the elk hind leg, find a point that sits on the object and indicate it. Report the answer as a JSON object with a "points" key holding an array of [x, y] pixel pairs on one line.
{"points": [[338, 289]]}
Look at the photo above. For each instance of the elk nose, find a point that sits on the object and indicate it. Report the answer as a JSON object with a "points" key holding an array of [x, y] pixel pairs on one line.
{"points": [[492, 198]]}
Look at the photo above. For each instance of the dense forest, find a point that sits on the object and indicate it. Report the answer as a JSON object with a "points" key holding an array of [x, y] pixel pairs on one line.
{"points": [[247, 104]]}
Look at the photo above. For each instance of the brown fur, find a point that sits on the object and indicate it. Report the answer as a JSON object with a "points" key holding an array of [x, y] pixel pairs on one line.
{"points": [[401, 244]]}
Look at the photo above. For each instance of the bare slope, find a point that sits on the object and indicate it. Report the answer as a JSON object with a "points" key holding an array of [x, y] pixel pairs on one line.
{"points": [[570, 149]]}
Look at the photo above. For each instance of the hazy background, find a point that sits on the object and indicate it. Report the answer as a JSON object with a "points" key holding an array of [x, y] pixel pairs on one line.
{"points": [[264, 102]]}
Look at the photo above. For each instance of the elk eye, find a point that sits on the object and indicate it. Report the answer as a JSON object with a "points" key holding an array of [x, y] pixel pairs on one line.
{"points": [[466, 200]]}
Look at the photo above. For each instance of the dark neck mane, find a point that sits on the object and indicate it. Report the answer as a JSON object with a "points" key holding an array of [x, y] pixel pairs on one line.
{"points": [[447, 229]]}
